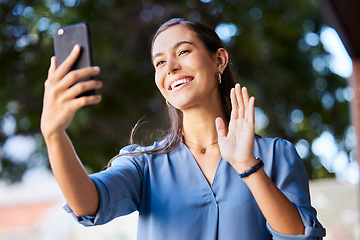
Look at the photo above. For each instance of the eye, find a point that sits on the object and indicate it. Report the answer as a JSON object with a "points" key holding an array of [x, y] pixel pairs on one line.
{"points": [[159, 63], [183, 52]]}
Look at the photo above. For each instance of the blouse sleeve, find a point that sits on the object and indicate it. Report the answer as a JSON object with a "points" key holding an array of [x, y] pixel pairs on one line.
{"points": [[289, 175], [119, 190]]}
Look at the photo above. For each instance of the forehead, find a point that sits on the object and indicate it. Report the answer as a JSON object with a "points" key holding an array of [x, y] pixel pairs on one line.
{"points": [[168, 38]]}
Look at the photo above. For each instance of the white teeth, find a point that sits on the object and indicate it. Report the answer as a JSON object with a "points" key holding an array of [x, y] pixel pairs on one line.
{"points": [[179, 82]]}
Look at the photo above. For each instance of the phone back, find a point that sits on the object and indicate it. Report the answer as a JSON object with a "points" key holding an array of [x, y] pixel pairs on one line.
{"points": [[65, 39]]}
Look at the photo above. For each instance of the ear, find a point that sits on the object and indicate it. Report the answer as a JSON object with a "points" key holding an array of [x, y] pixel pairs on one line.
{"points": [[222, 57]]}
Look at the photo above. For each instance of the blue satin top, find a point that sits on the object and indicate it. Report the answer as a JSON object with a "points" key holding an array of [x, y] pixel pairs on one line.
{"points": [[176, 202]]}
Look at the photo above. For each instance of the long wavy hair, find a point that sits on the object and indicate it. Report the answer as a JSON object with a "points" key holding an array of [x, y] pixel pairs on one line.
{"points": [[212, 43]]}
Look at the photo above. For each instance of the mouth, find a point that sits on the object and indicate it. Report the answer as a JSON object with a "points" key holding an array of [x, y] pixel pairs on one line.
{"points": [[180, 82]]}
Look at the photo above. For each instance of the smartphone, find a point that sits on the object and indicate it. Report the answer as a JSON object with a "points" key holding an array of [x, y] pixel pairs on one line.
{"points": [[65, 39]]}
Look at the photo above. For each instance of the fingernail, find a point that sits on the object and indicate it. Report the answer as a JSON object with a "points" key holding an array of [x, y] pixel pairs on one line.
{"points": [[96, 69], [76, 47]]}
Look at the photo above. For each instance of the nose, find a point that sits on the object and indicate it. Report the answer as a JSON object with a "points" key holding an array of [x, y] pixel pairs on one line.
{"points": [[173, 66]]}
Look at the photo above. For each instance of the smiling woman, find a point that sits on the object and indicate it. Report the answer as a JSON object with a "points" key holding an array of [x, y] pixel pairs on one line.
{"points": [[182, 62], [211, 177]]}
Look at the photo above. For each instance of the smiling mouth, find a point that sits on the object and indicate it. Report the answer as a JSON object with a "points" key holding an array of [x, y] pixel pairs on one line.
{"points": [[179, 82]]}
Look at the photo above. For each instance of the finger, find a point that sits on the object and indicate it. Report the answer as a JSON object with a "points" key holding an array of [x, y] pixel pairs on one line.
{"points": [[234, 105], [52, 67], [78, 103], [245, 94], [66, 65], [220, 127], [82, 87], [249, 113], [240, 100], [76, 75]]}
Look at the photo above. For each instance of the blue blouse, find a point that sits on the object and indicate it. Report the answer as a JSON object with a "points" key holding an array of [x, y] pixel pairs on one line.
{"points": [[175, 201]]}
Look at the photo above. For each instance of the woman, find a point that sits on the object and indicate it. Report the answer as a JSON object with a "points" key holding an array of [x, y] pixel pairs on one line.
{"points": [[210, 178]]}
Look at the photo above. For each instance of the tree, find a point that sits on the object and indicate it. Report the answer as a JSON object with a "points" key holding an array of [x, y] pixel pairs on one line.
{"points": [[267, 40]]}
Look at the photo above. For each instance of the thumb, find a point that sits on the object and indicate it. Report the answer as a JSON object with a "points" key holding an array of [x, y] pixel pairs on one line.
{"points": [[220, 127]]}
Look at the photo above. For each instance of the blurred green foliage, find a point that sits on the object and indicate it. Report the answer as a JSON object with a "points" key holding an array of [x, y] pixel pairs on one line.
{"points": [[289, 76]]}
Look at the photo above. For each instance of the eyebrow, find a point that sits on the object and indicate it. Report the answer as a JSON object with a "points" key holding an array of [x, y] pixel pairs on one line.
{"points": [[178, 44]]}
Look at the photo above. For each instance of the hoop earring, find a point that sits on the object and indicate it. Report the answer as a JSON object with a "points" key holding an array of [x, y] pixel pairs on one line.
{"points": [[169, 104], [219, 78]]}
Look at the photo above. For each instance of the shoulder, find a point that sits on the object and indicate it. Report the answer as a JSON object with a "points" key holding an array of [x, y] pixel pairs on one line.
{"points": [[276, 151], [136, 153], [135, 148], [273, 144]]}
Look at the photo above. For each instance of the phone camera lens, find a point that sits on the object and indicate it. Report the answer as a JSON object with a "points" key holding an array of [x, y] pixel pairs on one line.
{"points": [[60, 32]]}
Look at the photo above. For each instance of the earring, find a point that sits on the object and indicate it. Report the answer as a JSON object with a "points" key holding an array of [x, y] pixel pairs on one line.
{"points": [[219, 78], [169, 104]]}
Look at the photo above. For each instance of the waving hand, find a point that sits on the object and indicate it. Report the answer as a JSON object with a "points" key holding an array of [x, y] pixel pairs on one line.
{"points": [[236, 145]]}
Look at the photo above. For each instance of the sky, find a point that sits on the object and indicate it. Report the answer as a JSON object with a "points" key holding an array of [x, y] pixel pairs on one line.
{"points": [[340, 62]]}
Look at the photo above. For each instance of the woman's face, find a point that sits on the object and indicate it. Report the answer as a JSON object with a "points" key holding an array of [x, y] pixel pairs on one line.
{"points": [[185, 71]]}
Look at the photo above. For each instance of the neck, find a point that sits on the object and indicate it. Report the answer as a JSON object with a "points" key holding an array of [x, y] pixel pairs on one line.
{"points": [[199, 123]]}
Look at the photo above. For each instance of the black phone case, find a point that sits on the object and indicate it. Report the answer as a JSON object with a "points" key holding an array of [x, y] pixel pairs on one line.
{"points": [[65, 39]]}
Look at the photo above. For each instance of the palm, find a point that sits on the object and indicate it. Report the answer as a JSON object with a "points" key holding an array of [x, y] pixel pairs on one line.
{"points": [[236, 145]]}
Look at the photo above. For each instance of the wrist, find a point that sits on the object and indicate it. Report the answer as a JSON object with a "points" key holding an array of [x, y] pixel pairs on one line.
{"points": [[245, 165], [53, 136], [252, 169]]}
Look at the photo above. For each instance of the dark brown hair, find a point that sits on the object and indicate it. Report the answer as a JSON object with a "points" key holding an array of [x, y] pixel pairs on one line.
{"points": [[212, 42]]}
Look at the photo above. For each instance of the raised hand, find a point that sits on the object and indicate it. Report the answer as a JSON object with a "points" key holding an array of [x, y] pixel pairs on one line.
{"points": [[237, 144], [60, 102]]}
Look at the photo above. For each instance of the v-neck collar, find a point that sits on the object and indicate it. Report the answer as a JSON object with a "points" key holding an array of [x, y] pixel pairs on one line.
{"points": [[193, 160]]}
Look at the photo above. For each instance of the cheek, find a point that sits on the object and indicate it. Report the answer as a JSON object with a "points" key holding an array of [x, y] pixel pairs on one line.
{"points": [[158, 79], [159, 82], [205, 63]]}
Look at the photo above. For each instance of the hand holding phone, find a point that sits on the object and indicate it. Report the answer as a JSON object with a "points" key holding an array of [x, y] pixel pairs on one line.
{"points": [[65, 39]]}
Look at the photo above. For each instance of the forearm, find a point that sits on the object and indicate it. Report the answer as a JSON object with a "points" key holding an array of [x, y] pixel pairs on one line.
{"points": [[281, 214], [77, 187]]}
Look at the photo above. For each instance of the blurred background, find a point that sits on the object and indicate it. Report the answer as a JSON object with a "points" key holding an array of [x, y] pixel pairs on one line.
{"points": [[283, 51]]}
